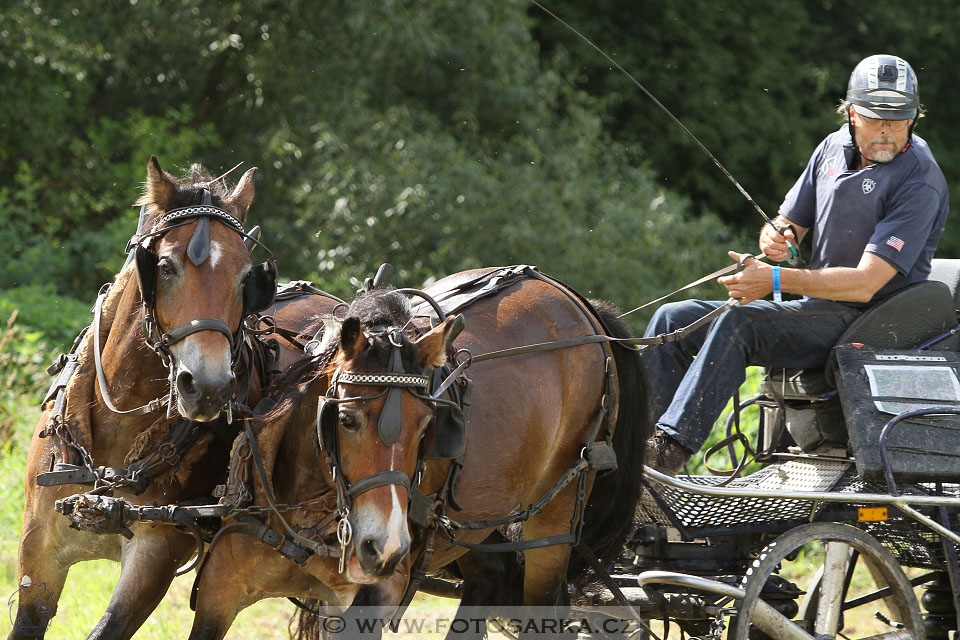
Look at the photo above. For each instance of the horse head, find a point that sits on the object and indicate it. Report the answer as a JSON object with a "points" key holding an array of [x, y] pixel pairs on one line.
{"points": [[198, 284], [372, 425]]}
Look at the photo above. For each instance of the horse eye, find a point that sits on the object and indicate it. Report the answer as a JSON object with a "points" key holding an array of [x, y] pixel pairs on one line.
{"points": [[348, 421], [165, 266]]}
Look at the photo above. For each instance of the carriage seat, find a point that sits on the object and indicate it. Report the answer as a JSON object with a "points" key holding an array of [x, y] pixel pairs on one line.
{"points": [[905, 320]]}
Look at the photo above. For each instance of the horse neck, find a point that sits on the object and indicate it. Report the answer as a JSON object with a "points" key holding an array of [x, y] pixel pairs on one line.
{"points": [[297, 450]]}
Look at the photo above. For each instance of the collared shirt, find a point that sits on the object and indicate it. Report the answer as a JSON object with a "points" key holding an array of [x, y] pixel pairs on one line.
{"points": [[896, 210]]}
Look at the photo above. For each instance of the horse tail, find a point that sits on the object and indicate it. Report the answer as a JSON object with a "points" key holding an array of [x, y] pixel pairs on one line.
{"points": [[608, 518], [308, 624]]}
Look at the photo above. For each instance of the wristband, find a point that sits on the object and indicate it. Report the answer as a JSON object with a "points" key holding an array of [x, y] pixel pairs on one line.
{"points": [[776, 285]]}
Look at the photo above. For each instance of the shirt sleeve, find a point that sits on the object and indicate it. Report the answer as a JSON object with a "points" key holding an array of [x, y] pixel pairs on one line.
{"points": [[903, 232], [800, 203]]}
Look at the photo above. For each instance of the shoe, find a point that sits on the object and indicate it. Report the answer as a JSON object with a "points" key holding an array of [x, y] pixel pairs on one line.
{"points": [[665, 454]]}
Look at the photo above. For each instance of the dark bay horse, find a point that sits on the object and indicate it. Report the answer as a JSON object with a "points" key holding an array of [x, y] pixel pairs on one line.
{"points": [[168, 332], [531, 417]]}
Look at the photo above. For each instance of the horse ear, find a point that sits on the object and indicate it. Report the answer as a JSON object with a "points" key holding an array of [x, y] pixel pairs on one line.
{"points": [[352, 340], [159, 187], [435, 343], [242, 194]]}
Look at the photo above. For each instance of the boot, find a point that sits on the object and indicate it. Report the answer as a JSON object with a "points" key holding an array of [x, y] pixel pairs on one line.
{"points": [[665, 454]]}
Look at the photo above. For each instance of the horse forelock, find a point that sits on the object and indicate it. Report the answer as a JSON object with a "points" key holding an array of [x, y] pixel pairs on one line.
{"points": [[381, 307]]}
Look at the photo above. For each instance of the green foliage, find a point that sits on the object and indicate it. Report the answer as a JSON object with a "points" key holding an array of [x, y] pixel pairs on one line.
{"points": [[40, 309], [757, 82], [22, 378], [431, 135], [438, 136]]}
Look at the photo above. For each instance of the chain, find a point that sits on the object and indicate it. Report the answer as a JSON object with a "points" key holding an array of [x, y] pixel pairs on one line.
{"points": [[63, 431]]}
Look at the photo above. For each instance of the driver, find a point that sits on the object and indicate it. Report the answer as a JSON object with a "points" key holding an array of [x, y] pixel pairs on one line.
{"points": [[873, 201]]}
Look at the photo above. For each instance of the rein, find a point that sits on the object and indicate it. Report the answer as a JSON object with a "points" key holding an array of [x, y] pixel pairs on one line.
{"points": [[153, 405]]}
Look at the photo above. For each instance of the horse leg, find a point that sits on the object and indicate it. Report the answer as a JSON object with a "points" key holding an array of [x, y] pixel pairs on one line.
{"points": [[42, 576], [48, 547], [489, 579], [148, 564], [240, 571], [228, 583], [545, 568]]}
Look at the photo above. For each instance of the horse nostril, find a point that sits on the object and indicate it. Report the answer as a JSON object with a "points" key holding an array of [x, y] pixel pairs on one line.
{"points": [[186, 385], [370, 549]]}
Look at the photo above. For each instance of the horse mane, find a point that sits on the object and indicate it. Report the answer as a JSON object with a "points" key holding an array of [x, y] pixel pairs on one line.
{"points": [[375, 308]]}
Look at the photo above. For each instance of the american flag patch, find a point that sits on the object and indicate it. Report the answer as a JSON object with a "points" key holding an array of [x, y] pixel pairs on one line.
{"points": [[895, 242]]}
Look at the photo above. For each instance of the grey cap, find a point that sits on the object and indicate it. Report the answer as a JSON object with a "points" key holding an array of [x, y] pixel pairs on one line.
{"points": [[884, 87]]}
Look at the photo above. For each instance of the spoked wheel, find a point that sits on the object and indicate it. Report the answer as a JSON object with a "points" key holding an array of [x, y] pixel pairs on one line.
{"points": [[847, 577]]}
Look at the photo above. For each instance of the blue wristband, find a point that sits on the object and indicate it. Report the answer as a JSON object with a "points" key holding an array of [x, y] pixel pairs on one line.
{"points": [[776, 285]]}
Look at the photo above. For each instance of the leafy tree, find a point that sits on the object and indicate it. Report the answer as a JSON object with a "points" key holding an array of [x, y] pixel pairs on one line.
{"points": [[430, 134], [756, 81]]}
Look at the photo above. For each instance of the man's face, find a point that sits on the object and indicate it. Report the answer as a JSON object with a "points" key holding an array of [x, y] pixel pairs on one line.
{"points": [[879, 140]]}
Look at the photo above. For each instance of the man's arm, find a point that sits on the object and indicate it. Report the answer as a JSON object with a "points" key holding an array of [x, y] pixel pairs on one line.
{"points": [[843, 284], [773, 244]]}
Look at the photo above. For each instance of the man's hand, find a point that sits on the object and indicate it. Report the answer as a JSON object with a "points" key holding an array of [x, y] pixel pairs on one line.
{"points": [[774, 244], [752, 283]]}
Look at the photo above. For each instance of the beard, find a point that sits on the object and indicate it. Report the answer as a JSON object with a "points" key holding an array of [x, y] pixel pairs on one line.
{"points": [[870, 152]]}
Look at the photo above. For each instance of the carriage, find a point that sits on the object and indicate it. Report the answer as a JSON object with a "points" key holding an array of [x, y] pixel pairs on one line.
{"points": [[850, 526]]}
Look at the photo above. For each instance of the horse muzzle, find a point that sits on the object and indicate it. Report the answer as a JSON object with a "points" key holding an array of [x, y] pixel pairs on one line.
{"points": [[202, 395], [376, 559]]}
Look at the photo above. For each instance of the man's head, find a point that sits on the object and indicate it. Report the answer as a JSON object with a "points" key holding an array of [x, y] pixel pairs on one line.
{"points": [[882, 105]]}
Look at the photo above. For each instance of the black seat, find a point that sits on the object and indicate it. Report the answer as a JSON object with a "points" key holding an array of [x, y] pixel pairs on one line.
{"points": [[905, 320]]}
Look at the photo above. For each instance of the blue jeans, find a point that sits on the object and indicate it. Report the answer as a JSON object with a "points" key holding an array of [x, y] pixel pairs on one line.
{"points": [[689, 394]]}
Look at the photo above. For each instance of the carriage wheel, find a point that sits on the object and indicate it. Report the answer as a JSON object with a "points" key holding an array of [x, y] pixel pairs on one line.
{"points": [[846, 568]]}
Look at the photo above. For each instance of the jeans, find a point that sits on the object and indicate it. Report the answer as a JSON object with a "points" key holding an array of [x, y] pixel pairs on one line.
{"points": [[689, 394]]}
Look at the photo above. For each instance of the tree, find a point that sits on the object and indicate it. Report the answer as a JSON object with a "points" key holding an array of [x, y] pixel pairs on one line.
{"points": [[432, 135]]}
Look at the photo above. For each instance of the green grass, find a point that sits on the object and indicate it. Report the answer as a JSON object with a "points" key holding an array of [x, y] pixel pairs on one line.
{"points": [[90, 584]]}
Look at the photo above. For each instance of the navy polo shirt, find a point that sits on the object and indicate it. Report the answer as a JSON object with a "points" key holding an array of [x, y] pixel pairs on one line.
{"points": [[896, 210]]}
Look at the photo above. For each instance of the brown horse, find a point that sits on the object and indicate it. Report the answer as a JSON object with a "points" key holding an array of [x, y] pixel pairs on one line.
{"points": [[532, 416], [179, 334]]}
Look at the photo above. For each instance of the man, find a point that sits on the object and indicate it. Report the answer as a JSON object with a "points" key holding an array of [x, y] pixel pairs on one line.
{"points": [[874, 202]]}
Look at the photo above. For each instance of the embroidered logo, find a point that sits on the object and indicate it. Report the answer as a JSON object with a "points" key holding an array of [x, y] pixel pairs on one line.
{"points": [[868, 185], [831, 166], [895, 242]]}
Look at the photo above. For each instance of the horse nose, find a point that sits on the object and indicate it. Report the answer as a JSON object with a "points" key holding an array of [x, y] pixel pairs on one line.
{"points": [[208, 396], [374, 561]]}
